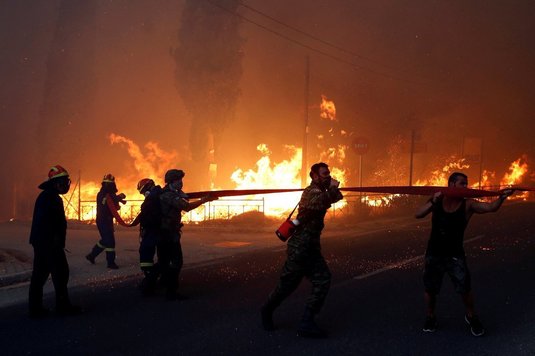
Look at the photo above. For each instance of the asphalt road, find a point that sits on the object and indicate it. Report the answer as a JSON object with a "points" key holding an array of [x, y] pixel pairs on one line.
{"points": [[375, 306]]}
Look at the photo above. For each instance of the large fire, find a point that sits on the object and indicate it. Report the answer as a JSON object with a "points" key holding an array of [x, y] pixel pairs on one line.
{"points": [[286, 174], [150, 163], [331, 147]]}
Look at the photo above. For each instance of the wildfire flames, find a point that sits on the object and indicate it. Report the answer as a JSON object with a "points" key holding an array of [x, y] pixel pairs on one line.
{"points": [[152, 162], [327, 109]]}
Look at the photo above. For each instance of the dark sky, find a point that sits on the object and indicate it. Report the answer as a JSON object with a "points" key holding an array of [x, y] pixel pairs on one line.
{"points": [[447, 69]]}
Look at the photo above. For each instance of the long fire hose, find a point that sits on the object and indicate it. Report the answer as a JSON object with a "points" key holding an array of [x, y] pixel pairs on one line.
{"points": [[402, 190]]}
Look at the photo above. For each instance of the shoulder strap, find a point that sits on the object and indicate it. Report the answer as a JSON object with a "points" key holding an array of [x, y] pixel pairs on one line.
{"points": [[290, 216]]}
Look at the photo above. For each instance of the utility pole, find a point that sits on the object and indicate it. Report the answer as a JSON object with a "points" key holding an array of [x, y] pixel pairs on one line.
{"points": [[79, 195], [304, 152], [413, 133], [14, 212]]}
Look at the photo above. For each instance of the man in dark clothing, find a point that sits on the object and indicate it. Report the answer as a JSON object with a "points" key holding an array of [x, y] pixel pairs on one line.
{"points": [[48, 233], [445, 250], [173, 201], [108, 192], [304, 253], [150, 220]]}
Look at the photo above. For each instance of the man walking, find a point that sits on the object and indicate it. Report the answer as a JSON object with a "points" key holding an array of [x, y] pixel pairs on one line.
{"points": [[48, 233], [304, 253]]}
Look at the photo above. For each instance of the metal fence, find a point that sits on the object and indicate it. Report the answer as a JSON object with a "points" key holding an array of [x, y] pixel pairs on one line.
{"points": [[218, 209]]}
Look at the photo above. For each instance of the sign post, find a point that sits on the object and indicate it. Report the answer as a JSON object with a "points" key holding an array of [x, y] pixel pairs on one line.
{"points": [[361, 146]]}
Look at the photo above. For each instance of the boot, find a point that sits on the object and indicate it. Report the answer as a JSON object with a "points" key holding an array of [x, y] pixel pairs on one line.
{"points": [[95, 251], [64, 306], [112, 265], [267, 317], [90, 258], [110, 258], [308, 328], [148, 284]]}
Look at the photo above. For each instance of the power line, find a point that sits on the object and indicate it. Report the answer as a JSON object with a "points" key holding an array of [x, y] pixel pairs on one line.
{"points": [[326, 54], [332, 45]]}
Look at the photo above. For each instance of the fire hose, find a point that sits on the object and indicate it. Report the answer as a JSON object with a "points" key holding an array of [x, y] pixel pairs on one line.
{"points": [[402, 190]]}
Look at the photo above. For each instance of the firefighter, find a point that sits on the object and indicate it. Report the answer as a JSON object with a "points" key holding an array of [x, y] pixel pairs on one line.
{"points": [[48, 233], [105, 221], [173, 201], [150, 232], [304, 253]]}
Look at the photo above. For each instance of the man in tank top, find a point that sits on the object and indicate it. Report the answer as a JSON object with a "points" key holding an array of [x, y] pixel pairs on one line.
{"points": [[445, 251]]}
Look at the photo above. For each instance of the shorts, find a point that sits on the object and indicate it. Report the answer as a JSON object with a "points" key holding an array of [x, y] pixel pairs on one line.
{"points": [[455, 267]]}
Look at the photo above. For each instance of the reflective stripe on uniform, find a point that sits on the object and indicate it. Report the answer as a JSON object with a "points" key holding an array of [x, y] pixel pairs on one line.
{"points": [[146, 264], [100, 245], [109, 249]]}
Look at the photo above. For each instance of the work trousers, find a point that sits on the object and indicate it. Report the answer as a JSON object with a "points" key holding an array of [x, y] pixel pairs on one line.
{"points": [[49, 261]]}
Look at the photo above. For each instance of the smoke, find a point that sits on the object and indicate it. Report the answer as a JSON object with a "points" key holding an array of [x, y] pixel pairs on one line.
{"points": [[70, 86], [208, 70], [75, 70]]}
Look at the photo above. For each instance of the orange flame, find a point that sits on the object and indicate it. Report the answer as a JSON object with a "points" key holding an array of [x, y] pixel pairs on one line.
{"points": [[327, 109], [286, 174], [516, 173], [149, 164], [439, 177], [153, 163]]}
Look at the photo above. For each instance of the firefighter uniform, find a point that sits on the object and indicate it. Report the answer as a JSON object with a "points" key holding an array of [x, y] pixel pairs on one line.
{"points": [[105, 221], [150, 235], [48, 233]]}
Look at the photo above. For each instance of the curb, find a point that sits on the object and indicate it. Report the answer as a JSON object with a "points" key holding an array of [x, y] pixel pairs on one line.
{"points": [[15, 278]]}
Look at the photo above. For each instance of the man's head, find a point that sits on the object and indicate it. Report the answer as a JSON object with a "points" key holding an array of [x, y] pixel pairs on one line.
{"points": [[108, 183], [58, 180], [319, 172], [173, 178], [145, 185], [458, 180]]}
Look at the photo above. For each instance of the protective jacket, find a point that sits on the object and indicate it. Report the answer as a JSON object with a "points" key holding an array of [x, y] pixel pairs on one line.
{"points": [[104, 215], [172, 204], [150, 217], [49, 226]]}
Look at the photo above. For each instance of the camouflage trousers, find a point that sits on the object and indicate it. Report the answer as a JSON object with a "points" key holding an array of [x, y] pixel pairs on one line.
{"points": [[303, 261]]}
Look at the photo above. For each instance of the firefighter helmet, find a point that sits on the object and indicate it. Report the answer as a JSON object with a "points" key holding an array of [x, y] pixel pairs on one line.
{"points": [[174, 174], [144, 185], [108, 178], [57, 171]]}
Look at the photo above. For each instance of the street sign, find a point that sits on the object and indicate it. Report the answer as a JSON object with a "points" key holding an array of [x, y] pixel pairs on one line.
{"points": [[361, 145]]}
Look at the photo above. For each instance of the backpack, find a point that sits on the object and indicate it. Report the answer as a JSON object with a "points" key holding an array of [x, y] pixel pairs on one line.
{"points": [[151, 211]]}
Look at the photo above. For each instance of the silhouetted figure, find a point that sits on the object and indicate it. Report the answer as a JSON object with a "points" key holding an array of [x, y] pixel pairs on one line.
{"points": [[304, 253], [150, 220], [173, 201], [107, 192], [445, 250], [48, 233]]}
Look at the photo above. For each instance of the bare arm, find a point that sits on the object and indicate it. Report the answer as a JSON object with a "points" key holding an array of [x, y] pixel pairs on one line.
{"points": [[428, 206], [482, 208]]}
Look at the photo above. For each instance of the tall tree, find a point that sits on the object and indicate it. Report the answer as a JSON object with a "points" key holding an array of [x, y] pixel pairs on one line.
{"points": [[208, 71]]}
